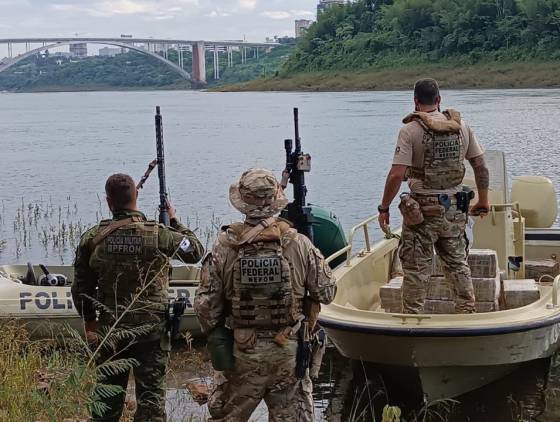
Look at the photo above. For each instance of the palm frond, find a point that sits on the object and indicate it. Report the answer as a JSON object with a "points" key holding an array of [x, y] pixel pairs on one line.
{"points": [[104, 391], [116, 367]]}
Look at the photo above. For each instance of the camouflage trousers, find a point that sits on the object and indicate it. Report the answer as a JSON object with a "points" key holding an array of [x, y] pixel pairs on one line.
{"points": [[446, 234], [264, 372], [149, 377]]}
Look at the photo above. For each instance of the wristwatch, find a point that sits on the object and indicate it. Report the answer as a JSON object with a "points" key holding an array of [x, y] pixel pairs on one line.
{"points": [[382, 210]]}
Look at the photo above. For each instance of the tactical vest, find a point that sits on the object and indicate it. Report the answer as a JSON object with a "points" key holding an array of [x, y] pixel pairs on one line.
{"points": [[444, 156], [127, 260], [262, 286]]}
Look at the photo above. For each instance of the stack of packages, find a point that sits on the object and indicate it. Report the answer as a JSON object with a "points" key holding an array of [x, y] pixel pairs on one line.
{"points": [[440, 295], [486, 282], [518, 293], [486, 279]]}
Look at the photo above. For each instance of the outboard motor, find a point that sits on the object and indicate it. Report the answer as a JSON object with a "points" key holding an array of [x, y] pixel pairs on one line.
{"points": [[51, 280]]}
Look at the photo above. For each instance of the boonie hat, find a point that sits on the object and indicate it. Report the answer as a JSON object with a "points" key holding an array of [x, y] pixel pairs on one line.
{"points": [[258, 194]]}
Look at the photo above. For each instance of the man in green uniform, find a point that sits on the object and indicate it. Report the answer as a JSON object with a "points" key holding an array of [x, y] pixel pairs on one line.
{"points": [[430, 154], [260, 279], [124, 263]]}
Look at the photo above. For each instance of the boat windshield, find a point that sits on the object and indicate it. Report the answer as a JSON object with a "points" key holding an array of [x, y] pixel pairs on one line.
{"points": [[496, 163]]}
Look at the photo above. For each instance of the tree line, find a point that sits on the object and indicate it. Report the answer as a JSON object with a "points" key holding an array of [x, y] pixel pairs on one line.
{"points": [[388, 32]]}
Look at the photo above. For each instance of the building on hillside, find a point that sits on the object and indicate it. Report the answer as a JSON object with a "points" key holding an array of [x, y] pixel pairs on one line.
{"points": [[110, 51], [78, 50], [326, 4], [302, 25]]}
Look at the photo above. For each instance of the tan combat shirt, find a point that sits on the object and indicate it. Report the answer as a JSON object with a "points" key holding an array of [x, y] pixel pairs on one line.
{"points": [[410, 151], [309, 272]]}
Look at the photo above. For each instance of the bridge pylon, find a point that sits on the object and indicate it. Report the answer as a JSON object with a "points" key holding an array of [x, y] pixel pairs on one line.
{"points": [[198, 74]]}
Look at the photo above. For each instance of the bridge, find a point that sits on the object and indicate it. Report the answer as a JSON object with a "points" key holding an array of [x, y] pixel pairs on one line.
{"points": [[153, 47]]}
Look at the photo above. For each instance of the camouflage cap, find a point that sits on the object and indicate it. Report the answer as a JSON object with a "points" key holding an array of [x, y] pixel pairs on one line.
{"points": [[258, 194]]}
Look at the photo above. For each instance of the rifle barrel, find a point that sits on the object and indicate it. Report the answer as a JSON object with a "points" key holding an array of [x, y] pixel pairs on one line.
{"points": [[163, 214], [296, 128]]}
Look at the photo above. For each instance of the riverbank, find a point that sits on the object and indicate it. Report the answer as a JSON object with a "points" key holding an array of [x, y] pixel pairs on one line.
{"points": [[97, 88], [489, 75]]}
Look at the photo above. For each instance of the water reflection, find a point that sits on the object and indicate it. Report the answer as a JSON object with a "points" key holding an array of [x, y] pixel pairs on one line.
{"points": [[354, 391]]}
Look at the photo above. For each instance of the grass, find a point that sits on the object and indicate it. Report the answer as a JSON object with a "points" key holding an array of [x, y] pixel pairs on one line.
{"points": [[484, 75], [40, 382]]}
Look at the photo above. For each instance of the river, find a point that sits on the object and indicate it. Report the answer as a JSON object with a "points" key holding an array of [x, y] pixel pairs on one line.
{"points": [[57, 149]]}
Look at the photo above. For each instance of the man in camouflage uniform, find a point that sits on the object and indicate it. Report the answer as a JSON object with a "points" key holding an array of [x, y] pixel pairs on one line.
{"points": [[255, 282], [124, 263], [430, 153]]}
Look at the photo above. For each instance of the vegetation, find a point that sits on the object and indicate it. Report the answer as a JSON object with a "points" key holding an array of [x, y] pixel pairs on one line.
{"points": [[408, 38], [132, 70], [39, 382]]}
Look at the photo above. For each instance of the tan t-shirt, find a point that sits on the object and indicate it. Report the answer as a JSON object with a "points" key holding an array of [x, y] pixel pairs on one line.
{"points": [[410, 151]]}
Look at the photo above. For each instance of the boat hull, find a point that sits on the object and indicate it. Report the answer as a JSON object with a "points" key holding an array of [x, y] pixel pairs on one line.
{"points": [[427, 351], [48, 310]]}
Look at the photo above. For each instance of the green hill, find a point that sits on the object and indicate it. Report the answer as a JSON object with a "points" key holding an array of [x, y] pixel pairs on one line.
{"points": [[493, 43], [132, 70]]}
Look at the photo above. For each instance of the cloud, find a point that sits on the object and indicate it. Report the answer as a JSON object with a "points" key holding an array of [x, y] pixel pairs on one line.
{"points": [[248, 4], [217, 13], [286, 14], [276, 14], [109, 8]]}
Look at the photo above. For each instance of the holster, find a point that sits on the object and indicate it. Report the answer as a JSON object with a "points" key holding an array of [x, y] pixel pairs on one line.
{"points": [[464, 199], [319, 347], [303, 354]]}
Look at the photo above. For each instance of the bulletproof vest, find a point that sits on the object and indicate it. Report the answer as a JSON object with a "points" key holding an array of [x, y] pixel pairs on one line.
{"points": [[443, 156], [127, 261], [262, 286]]}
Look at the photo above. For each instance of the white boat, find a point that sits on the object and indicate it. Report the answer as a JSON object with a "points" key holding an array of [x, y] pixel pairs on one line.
{"points": [[451, 354], [48, 309]]}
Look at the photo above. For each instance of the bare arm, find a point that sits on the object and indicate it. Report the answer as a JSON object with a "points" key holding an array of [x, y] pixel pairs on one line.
{"points": [[392, 186], [482, 179]]}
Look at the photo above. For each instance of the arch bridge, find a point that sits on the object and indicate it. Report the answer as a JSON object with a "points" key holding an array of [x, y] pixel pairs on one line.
{"points": [[153, 47]]}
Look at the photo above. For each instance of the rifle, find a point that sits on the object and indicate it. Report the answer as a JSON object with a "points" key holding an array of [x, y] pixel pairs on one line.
{"points": [[297, 164], [176, 310], [163, 202]]}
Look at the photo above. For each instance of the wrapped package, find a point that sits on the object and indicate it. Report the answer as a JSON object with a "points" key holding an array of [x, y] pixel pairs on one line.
{"points": [[518, 293], [391, 295], [483, 263], [440, 289], [483, 307], [439, 306], [487, 289], [536, 268]]}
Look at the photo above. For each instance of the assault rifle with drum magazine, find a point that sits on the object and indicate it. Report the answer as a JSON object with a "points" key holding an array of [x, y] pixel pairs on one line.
{"points": [[325, 231]]}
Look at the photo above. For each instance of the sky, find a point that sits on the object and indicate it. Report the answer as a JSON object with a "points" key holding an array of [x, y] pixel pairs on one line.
{"points": [[253, 20]]}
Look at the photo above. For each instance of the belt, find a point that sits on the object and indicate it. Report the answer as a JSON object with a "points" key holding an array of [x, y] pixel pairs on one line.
{"points": [[432, 199]]}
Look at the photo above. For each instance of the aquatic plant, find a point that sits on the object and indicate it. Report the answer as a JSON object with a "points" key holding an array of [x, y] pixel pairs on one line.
{"points": [[56, 229]]}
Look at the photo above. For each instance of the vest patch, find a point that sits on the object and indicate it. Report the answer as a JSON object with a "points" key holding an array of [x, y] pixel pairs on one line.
{"points": [[261, 270], [447, 147], [124, 244]]}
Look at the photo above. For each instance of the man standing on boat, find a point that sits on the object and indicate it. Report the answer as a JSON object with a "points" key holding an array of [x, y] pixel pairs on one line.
{"points": [[124, 264], [430, 154], [262, 285]]}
